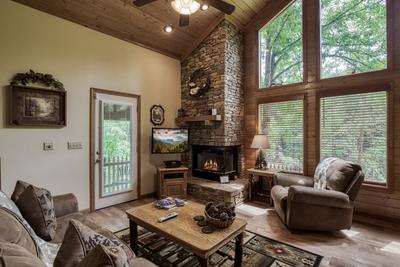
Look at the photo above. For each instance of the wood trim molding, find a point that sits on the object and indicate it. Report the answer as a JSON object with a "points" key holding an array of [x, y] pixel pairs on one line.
{"points": [[202, 37], [92, 152]]}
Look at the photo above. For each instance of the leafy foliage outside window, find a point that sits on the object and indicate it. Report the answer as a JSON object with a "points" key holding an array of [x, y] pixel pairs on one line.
{"points": [[281, 48], [282, 122], [354, 127], [353, 37]]}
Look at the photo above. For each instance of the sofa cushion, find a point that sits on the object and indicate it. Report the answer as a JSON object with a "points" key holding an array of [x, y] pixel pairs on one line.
{"points": [[105, 256], [12, 255], [340, 173], [37, 207], [12, 230], [79, 240], [20, 187]]}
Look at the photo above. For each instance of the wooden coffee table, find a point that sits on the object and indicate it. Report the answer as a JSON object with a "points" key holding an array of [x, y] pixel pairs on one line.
{"points": [[184, 231]]}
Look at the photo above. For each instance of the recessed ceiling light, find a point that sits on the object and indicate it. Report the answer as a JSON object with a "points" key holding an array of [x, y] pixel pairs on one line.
{"points": [[167, 28], [204, 7]]}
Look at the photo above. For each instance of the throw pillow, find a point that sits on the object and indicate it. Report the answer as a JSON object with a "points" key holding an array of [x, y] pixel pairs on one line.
{"points": [[340, 173], [12, 230], [20, 187], [37, 207], [14, 255], [78, 241], [103, 256], [320, 179]]}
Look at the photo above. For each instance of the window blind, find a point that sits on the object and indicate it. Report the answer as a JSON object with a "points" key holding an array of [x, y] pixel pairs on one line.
{"points": [[354, 127], [282, 122]]}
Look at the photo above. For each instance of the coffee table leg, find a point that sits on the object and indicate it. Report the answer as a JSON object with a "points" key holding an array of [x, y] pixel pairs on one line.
{"points": [[203, 262], [239, 250], [133, 227]]}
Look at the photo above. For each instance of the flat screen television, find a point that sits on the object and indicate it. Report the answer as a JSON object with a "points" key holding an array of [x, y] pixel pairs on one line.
{"points": [[170, 140]]}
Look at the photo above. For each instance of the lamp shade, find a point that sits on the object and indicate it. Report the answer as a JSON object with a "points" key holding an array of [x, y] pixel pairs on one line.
{"points": [[260, 141]]}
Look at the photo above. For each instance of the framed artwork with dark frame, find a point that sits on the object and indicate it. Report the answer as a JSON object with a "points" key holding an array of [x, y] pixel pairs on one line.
{"points": [[36, 107], [157, 115]]}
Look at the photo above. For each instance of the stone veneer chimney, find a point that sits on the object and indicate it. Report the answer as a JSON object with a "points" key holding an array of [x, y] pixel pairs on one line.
{"points": [[221, 56]]}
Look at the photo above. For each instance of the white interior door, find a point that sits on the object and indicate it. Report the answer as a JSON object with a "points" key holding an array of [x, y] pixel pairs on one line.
{"points": [[116, 162]]}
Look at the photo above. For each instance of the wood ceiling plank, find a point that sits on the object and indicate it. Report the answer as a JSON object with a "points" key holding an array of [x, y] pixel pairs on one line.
{"points": [[143, 26]]}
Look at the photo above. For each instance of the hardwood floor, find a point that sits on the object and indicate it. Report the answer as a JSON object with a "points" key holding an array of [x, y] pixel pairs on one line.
{"points": [[363, 245]]}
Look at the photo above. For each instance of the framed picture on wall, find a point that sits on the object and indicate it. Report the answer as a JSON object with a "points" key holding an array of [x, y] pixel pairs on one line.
{"points": [[157, 115], [36, 107]]}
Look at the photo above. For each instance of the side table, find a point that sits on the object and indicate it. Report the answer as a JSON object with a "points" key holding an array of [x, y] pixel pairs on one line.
{"points": [[259, 188]]}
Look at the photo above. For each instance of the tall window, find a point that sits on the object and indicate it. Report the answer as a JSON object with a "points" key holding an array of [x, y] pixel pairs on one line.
{"points": [[353, 37], [354, 127], [282, 122], [281, 48]]}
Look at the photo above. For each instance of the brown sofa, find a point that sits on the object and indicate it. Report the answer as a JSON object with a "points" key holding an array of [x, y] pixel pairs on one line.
{"points": [[300, 206], [66, 208]]}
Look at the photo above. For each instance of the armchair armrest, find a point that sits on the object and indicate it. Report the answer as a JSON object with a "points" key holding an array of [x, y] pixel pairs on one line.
{"points": [[288, 179], [327, 198], [65, 204]]}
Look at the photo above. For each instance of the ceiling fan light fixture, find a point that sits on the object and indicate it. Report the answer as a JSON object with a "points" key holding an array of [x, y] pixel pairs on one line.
{"points": [[204, 7], [185, 7]]}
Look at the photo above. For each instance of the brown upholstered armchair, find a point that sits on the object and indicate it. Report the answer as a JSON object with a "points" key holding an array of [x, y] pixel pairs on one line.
{"points": [[300, 206]]}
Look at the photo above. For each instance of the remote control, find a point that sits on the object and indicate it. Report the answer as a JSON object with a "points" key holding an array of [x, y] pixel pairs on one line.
{"points": [[168, 216]]}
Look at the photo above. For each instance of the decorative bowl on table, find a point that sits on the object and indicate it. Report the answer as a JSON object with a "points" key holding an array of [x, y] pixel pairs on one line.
{"points": [[220, 214]]}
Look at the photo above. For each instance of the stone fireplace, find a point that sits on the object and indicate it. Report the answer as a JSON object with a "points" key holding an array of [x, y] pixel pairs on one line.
{"points": [[211, 162], [216, 146]]}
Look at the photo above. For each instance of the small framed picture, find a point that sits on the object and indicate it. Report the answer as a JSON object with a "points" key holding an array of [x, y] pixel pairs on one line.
{"points": [[157, 115], [224, 179]]}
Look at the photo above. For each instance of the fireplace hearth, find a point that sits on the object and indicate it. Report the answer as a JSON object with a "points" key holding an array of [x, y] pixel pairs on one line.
{"points": [[211, 162]]}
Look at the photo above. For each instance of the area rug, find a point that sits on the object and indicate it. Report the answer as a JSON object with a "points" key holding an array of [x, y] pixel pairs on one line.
{"points": [[258, 251]]}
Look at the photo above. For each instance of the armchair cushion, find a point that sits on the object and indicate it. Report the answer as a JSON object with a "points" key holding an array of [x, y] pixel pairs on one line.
{"points": [[279, 195], [340, 173], [328, 198], [288, 179], [65, 204]]}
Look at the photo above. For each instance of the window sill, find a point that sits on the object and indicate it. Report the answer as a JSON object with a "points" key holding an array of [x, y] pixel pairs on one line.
{"points": [[376, 187]]}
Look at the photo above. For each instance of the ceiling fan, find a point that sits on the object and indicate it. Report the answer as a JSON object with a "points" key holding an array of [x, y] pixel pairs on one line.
{"points": [[188, 7]]}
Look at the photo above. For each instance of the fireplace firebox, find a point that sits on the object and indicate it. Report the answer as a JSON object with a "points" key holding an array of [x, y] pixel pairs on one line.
{"points": [[211, 162]]}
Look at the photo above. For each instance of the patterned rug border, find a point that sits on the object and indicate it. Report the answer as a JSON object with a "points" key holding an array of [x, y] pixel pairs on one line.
{"points": [[316, 263]]}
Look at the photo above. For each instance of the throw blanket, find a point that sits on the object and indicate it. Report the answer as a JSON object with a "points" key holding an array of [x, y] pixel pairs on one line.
{"points": [[47, 250], [320, 179]]}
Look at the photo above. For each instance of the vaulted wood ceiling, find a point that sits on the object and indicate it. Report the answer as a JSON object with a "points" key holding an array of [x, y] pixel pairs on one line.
{"points": [[143, 26]]}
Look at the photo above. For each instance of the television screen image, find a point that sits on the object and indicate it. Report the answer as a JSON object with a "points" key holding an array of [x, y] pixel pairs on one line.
{"points": [[170, 141]]}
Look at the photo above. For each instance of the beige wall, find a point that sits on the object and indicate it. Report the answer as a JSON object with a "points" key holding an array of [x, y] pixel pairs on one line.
{"points": [[81, 58]]}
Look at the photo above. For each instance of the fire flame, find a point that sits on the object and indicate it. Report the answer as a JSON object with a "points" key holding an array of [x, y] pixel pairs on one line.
{"points": [[211, 165]]}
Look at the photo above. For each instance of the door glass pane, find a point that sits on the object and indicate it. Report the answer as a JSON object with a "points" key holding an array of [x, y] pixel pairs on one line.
{"points": [[117, 149]]}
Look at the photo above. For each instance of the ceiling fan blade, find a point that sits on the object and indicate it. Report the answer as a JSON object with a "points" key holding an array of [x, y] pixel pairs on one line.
{"points": [[142, 2], [183, 20], [221, 6]]}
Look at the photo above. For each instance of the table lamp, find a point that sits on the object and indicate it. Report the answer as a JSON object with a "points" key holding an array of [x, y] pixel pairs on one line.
{"points": [[260, 142]]}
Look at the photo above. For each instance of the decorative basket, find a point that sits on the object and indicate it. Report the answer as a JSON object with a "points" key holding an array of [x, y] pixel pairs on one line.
{"points": [[217, 222]]}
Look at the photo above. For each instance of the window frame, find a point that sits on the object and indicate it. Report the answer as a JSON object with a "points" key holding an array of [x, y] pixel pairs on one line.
{"points": [[388, 88], [389, 48], [276, 99], [258, 68]]}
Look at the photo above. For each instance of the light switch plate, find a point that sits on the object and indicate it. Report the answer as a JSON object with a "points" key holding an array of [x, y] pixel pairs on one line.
{"points": [[75, 145], [48, 146]]}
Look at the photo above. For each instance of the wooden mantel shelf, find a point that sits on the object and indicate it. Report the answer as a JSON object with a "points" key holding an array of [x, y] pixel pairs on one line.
{"points": [[206, 119]]}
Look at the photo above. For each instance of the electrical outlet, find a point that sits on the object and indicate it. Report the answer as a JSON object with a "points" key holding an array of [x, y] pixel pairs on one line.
{"points": [[48, 146], [75, 145]]}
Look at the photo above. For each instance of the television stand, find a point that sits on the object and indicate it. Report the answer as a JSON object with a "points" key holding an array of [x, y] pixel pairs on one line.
{"points": [[172, 182]]}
